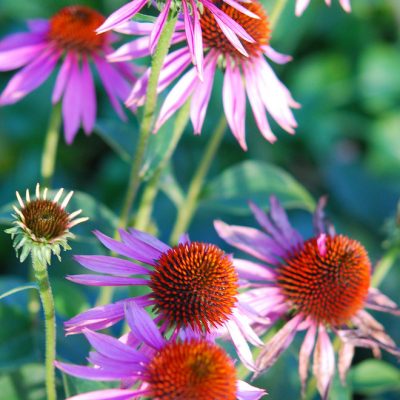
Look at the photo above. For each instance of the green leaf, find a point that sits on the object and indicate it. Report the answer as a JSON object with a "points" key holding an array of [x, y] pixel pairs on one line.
{"points": [[18, 289], [374, 376], [100, 216], [256, 181], [68, 298], [118, 135]]}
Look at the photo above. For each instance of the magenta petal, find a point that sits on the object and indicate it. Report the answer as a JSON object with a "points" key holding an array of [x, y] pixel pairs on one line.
{"points": [[95, 374], [273, 55], [123, 14], [253, 271], [113, 348], [101, 280], [72, 102], [150, 240], [136, 49], [89, 101], [30, 77], [142, 326], [242, 9], [21, 40], [111, 265], [62, 78], [18, 57]]}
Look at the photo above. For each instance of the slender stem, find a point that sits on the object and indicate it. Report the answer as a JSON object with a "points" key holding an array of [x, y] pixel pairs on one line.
{"points": [[185, 213], [151, 190], [50, 146], [383, 266], [148, 114], [277, 12], [47, 300]]}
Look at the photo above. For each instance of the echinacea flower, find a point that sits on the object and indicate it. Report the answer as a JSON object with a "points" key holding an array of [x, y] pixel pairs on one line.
{"points": [[322, 285], [69, 34], [42, 226], [191, 11], [191, 367], [249, 75], [192, 285], [301, 5]]}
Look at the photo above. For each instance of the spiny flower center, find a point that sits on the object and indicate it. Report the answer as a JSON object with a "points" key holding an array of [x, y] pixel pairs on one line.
{"points": [[195, 370], [194, 285], [258, 29], [329, 287], [45, 219], [73, 28]]}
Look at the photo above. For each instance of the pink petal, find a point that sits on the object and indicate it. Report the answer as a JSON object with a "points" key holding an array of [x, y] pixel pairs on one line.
{"points": [[321, 243], [346, 5], [276, 57], [346, 354], [234, 101], [324, 363], [248, 392], [20, 56], [301, 5], [123, 14], [101, 280], [253, 271], [199, 102], [110, 394], [89, 103], [62, 78], [242, 9], [304, 356]]}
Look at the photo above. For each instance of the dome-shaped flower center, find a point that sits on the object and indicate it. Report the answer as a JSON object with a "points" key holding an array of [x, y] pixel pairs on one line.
{"points": [[45, 219], [258, 29], [329, 287], [194, 370], [194, 285], [73, 28]]}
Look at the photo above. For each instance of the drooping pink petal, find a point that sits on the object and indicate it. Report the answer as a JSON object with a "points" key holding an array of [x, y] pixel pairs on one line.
{"points": [[276, 57], [72, 101], [159, 26], [277, 345], [89, 105], [177, 97], [304, 356], [111, 265], [241, 345], [199, 102], [234, 101], [301, 5], [116, 86], [142, 326], [20, 56], [380, 302], [323, 363], [102, 280], [242, 9], [62, 78], [30, 77], [256, 104], [346, 354], [248, 392], [123, 14], [346, 5]]}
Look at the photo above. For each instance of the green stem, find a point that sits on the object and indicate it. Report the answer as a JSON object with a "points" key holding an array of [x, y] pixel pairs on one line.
{"points": [[185, 213], [50, 146], [46, 298], [277, 12], [383, 267], [150, 192], [148, 114]]}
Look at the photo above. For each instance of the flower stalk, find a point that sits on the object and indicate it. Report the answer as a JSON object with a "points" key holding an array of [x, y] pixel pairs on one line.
{"points": [[50, 146], [186, 213], [46, 297], [147, 120]]}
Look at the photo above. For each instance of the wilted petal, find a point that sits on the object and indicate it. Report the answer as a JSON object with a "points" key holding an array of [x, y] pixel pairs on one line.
{"points": [[346, 354], [248, 392], [304, 356]]}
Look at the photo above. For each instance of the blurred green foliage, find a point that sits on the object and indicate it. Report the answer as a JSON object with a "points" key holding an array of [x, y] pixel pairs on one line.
{"points": [[345, 73]]}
